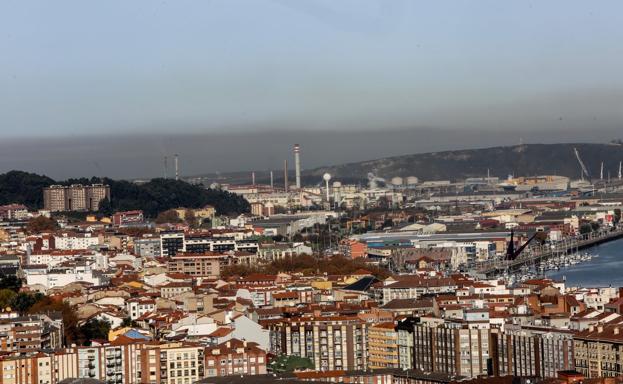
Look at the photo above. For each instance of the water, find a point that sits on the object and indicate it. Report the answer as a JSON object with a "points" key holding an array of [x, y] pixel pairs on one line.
{"points": [[603, 271]]}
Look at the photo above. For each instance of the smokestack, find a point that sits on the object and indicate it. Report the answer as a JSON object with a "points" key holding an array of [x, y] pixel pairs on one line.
{"points": [[252, 178], [297, 165], [165, 167], [177, 168], [271, 180], [285, 175]]}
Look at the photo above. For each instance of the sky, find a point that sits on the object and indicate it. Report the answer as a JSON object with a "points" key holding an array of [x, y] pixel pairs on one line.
{"points": [[224, 83]]}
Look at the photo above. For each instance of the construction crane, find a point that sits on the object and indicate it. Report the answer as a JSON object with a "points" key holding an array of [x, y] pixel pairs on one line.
{"points": [[584, 169]]}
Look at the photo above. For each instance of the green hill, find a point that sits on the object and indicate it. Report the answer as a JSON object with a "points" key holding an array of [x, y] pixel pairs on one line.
{"points": [[153, 197]]}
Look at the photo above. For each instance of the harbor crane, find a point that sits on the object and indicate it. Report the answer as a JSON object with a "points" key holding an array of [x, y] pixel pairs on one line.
{"points": [[512, 253], [582, 166]]}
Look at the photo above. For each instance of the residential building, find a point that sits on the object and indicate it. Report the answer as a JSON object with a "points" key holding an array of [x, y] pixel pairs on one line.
{"points": [[75, 197], [531, 351], [598, 351], [383, 346], [137, 307], [128, 218], [196, 265], [330, 342], [235, 357], [147, 247], [13, 212]]}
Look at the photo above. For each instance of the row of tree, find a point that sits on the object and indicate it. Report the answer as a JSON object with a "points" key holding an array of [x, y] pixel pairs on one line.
{"points": [[308, 265]]}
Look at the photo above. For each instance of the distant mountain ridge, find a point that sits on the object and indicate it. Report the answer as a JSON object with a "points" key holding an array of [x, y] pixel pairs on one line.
{"points": [[517, 160], [501, 161]]}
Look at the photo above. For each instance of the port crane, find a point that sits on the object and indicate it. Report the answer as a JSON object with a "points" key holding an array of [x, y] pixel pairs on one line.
{"points": [[512, 253], [582, 166]]}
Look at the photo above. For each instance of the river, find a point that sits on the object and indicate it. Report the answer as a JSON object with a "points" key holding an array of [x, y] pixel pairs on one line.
{"points": [[603, 271]]}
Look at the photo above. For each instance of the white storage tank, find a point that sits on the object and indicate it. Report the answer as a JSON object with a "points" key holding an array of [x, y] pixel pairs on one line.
{"points": [[396, 181], [412, 180]]}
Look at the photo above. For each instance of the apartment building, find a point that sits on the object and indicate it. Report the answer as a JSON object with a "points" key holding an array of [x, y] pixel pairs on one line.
{"points": [[206, 265], [173, 289], [75, 241], [61, 275], [137, 307], [27, 335], [598, 351], [174, 242], [76, 197], [451, 350], [147, 247], [235, 357], [413, 287], [172, 363], [405, 329], [531, 351], [38, 369], [330, 342], [13, 212], [171, 243], [383, 346], [132, 361], [472, 348]]}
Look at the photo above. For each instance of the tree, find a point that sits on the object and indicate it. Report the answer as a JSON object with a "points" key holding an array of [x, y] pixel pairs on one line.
{"points": [[105, 207], [169, 216], [23, 188], [23, 301], [191, 219], [285, 363], [94, 329], [11, 282], [128, 322], [41, 224], [585, 228], [6, 298]]}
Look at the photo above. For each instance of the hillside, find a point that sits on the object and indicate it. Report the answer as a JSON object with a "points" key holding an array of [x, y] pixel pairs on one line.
{"points": [[519, 160], [152, 197]]}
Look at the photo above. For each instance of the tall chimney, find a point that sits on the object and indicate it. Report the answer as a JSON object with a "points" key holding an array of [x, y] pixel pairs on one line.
{"points": [[271, 179], [177, 168], [252, 178], [285, 175], [297, 165]]}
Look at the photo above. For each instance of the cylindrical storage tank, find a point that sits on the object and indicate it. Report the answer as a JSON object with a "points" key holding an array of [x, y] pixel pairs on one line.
{"points": [[412, 180], [396, 180], [337, 184]]}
